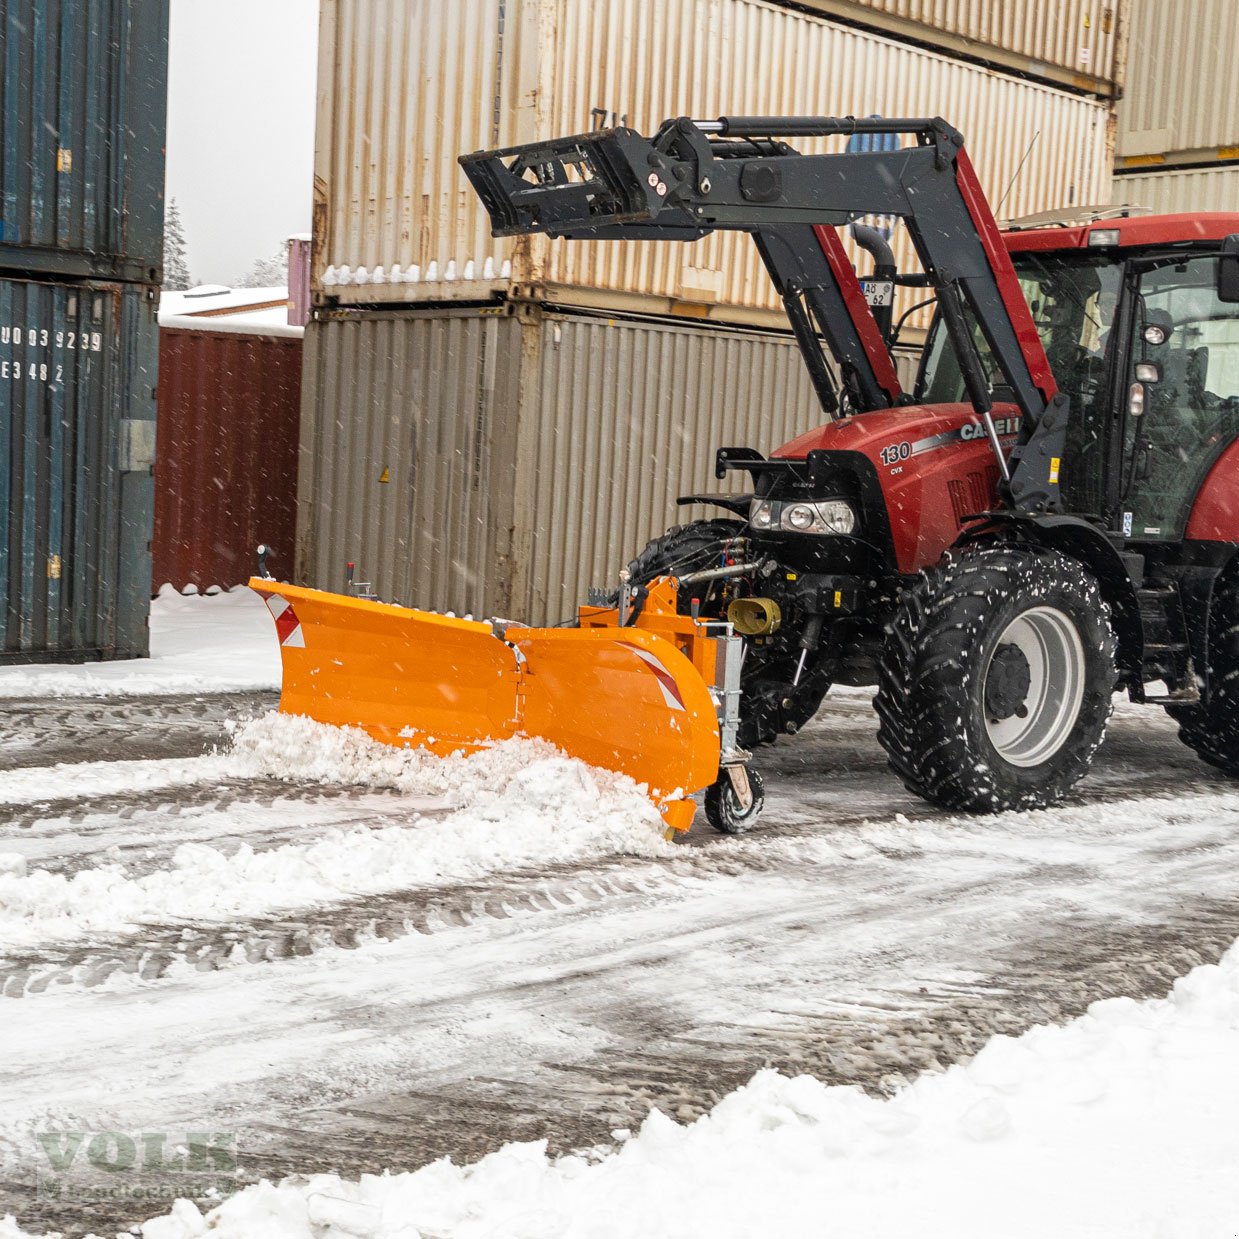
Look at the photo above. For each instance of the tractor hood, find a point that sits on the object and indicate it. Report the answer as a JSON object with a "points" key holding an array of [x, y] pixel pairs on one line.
{"points": [[890, 437], [927, 467]]}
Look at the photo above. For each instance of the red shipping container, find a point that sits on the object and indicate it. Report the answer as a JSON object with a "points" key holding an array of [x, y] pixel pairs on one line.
{"points": [[226, 454]]}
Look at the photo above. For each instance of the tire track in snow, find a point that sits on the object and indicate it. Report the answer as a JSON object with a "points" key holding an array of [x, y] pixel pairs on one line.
{"points": [[156, 951], [44, 731]]}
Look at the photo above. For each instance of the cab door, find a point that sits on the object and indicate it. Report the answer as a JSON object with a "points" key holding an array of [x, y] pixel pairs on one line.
{"points": [[1182, 394]]}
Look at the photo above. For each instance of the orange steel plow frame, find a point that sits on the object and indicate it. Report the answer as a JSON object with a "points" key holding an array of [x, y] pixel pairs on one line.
{"points": [[634, 699]]}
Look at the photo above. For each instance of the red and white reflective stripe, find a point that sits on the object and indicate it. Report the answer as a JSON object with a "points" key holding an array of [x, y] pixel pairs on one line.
{"points": [[666, 681], [287, 625]]}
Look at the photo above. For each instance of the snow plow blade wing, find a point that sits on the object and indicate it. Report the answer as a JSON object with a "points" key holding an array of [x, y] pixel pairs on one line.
{"points": [[622, 699]]}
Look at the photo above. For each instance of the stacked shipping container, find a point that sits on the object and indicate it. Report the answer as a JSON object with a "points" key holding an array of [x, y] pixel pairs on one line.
{"points": [[1072, 43], [82, 101], [1178, 123], [395, 220], [404, 89]]}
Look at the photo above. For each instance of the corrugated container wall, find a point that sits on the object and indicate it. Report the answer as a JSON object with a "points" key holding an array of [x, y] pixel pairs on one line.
{"points": [[395, 220], [226, 473], [1180, 102], [1075, 43], [496, 464], [83, 94], [1197, 189], [77, 386]]}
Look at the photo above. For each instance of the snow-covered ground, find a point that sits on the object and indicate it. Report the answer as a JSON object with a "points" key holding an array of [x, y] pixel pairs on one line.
{"points": [[1121, 1123], [199, 643], [351, 961]]}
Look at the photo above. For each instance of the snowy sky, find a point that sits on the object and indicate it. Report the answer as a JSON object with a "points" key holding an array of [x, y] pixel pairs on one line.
{"points": [[241, 80]]}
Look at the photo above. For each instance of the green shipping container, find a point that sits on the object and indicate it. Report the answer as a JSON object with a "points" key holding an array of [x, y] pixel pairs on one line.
{"points": [[77, 443], [83, 97]]}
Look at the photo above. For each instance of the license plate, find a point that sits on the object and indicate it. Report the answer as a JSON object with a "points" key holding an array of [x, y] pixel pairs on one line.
{"points": [[878, 292]]}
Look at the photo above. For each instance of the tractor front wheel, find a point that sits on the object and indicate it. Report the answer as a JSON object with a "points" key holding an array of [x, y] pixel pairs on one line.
{"points": [[685, 549], [1212, 729], [996, 679]]}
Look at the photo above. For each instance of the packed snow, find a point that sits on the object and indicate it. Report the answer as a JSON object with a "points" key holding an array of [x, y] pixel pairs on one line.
{"points": [[199, 643]]}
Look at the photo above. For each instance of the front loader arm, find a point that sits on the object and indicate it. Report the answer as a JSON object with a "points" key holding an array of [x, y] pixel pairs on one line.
{"points": [[736, 173]]}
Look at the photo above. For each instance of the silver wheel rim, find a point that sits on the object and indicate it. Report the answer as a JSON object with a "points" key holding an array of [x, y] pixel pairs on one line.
{"points": [[1049, 641]]}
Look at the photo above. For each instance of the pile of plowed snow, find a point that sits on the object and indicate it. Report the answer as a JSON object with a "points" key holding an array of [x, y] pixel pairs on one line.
{"points": [[519, 803], [1122, 1123]]}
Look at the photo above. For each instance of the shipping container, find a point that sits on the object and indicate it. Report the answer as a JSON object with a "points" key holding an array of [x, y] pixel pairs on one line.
{"points": [[77, 441], [396, 221], [1185, 191], [504, 463], [1180, 105], [1073, 43], [226, 470], [83, 95]]}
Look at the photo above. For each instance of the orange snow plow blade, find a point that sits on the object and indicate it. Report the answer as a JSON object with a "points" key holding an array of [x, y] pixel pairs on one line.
{"points": [[624, 699]]}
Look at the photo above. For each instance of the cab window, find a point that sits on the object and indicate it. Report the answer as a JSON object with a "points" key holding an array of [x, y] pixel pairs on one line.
{"points": [[1187, 342], [1073, 298]]}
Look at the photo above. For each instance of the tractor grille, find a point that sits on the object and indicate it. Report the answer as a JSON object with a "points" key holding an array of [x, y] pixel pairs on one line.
{"points": [[973, 493]]}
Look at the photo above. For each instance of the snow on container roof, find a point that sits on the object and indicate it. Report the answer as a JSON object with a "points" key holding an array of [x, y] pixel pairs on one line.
{"points": [[255, 311]]}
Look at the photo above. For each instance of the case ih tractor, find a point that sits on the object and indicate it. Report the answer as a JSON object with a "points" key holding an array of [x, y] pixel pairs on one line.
{"points": [[1052, 514]]}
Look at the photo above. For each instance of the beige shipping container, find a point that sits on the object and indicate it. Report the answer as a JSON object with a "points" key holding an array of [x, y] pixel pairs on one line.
{"points": [[1180, 104], [406, 87], [1073, 43], [504, 462], [1185, 191]]}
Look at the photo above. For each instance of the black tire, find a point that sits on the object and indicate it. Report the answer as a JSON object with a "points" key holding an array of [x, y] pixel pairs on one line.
{"points": [[951, 692], [684, 549], [723, 810], [1212, 730]]}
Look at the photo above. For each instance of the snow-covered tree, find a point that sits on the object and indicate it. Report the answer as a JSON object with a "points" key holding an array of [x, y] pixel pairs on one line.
{"points": [[267, 272], [175, 262]]}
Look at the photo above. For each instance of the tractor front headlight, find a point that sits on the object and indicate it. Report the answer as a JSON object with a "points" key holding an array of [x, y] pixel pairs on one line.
{"points": [[802, 516], [799, 516], [826, 516]]}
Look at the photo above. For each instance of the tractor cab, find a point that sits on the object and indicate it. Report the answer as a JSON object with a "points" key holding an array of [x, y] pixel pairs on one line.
{"points": [[1135, 320]]}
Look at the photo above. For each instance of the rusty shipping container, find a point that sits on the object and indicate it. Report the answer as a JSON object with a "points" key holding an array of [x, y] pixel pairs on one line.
{"points": [[77, 442], [502, 463], [396, 222], [83, 95], [226, 473], [1180, 105], [1074, 43]]}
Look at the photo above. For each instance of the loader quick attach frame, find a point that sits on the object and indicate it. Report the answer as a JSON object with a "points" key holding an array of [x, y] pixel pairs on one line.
{"points": [[695, 176]]}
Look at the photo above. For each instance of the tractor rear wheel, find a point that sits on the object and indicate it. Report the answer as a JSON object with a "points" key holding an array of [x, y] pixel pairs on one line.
{"points": [[1212, 729], [996, 679]]}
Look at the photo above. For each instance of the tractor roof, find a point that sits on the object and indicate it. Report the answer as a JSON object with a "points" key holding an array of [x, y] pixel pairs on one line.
{"points": [[1073, 231]]}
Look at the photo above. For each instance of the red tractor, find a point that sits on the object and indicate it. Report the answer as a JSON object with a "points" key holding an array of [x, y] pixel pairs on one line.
{"points": [[1052, 513]]}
